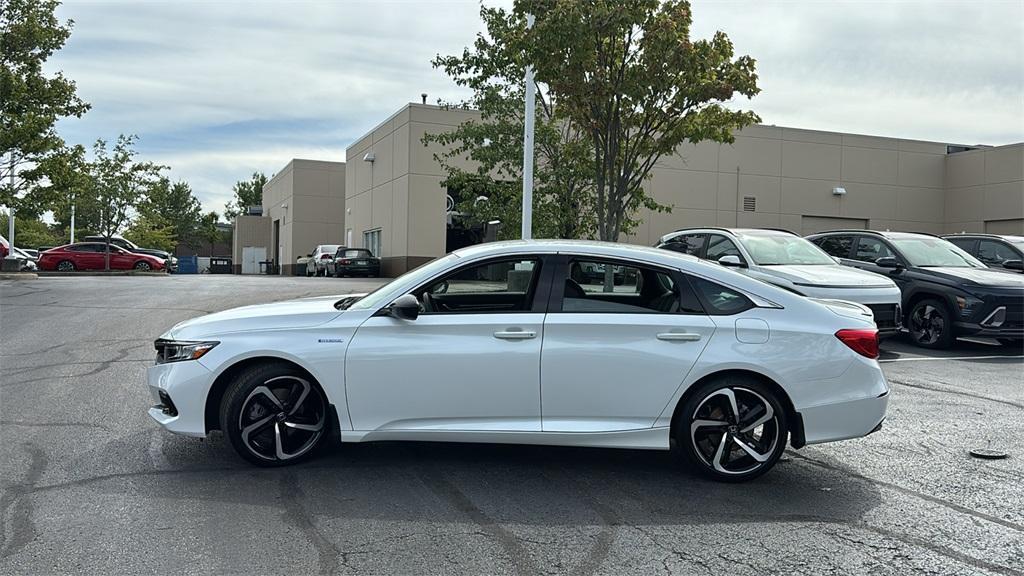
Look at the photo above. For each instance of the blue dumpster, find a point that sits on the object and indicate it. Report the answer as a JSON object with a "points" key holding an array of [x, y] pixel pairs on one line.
{"points": [[188, 265]]}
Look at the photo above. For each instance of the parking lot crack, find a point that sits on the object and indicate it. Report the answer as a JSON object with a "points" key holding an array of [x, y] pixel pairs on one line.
{"points": [[17, 527], [956, 391], [295, 514]]}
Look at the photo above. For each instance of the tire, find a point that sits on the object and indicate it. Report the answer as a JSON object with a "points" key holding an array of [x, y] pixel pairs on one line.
{"points": [[142, 265], [274, 415], [707, 423], [308, 274], [65, 266], [930, 324]]}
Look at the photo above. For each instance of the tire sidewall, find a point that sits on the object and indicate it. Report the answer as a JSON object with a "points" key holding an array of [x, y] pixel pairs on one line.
{"points": [[239, 390], [683, 418]]}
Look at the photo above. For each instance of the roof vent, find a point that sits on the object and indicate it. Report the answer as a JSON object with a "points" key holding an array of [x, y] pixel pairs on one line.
{"points": [[749, 203]]}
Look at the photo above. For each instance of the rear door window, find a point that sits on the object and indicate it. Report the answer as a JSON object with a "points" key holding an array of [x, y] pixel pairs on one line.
{"points": [[596, 286], [838, 246], [691, 244], [720, 300]]}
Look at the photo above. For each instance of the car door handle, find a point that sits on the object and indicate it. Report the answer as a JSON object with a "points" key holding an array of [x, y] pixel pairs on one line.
{"points": [[679, 336], [515, 335]]}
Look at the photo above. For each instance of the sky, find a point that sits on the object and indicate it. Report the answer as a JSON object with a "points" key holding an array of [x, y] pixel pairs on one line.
{"points": [[218, 90]]}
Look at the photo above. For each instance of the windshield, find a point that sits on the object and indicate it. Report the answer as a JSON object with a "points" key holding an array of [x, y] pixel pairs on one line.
{"points": [[410, 280], [932, 252], [778, 250]]}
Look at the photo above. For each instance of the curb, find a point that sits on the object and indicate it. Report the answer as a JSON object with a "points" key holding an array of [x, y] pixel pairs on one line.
{"points": [[18, 276], [99, 273]]}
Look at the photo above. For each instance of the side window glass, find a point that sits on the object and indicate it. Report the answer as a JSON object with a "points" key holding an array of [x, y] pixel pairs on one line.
{"points": [[871, 249], [503, 286], [838, 246], [964, 244], [719, 300], [686, 244], [991, 252], [719, 246], [595, 287]]}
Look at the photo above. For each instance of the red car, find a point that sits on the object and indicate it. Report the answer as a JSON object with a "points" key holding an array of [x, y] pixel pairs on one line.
{"points": [[90, 256]]}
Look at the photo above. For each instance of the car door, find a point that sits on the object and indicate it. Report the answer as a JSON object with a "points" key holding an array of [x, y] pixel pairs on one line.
{"points": [[614, 355], [469, 362], [868, 249], [89, 256], [121, 259]]}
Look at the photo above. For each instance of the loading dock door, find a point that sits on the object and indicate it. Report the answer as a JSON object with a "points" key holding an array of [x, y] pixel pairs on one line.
{"points": [[251, 258], [813, 224], [1013, 226]]}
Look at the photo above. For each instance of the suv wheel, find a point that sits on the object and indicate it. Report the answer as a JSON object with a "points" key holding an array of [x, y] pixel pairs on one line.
{"points": [[931, 324]]}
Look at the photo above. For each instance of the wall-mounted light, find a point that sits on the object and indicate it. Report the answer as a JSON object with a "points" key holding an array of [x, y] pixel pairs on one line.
{"points": [[838, 191], [369, 157]]}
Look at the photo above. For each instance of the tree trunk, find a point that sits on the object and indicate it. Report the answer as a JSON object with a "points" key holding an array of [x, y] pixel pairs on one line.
{"points": [[106, 255]]}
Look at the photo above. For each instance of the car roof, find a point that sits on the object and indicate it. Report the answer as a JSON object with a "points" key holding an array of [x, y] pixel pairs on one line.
{"points": [[1007, 237], [591, 247], [884, 234], [736, 231]]}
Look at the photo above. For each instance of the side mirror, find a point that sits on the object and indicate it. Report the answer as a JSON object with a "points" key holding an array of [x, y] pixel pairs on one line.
{"points": [[887, 262], [310, 255], [837, 259], [405, 307], [1014, 264], [731, 260]]}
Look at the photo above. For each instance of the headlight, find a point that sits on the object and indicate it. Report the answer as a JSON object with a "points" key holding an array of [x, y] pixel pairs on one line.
{"points": [[174, 260], [177, 351], [967, 305]]}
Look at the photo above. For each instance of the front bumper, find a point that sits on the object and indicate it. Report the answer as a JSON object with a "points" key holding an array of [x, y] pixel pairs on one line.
{"points": [[1000, 318], [186, 384]]}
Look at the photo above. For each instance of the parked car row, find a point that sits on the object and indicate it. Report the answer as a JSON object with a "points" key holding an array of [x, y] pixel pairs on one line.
{"points": [[90, 254], [341, 261], [925, 283]]}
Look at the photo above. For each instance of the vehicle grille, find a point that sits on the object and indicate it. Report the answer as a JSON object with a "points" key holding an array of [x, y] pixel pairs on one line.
{"points": [[887, 316]]}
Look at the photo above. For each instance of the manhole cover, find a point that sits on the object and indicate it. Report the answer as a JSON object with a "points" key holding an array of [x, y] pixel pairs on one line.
{"points": [[988, 454]]}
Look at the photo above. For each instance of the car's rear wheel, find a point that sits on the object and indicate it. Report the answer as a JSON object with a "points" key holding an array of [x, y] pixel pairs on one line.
{"points": [[66, 266], [732, 429], [274, 415], [142, 265], [930, 324]]}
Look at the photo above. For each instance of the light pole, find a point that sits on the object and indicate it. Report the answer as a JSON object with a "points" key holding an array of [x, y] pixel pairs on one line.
{"points": [[528, 148], [10, 208]]}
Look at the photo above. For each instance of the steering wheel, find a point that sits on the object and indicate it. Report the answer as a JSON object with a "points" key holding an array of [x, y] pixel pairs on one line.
{"points": [[428, 302]]}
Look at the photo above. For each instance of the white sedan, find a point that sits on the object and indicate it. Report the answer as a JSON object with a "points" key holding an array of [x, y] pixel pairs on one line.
{"points": [[510, 342]]}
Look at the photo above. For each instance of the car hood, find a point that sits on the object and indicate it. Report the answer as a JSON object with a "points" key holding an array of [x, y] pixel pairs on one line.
{"points": [[827, 275], [979, 276], [303, 313]]}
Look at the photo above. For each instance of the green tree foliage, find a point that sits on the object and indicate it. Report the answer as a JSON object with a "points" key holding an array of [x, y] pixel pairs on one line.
{"points": [[174, 207], [247, 193], [209, 231], [627, 72], [120, 183], [32, 232], [150, 232], [562, 182], [31, 101]]}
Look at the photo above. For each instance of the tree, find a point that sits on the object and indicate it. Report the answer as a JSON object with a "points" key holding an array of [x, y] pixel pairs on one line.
{"points": [[247, 193], [175, 207], [209, 231], [32, 232], [628, 74], [31, 102], [120, 184], [562, 182], [151, 233]]}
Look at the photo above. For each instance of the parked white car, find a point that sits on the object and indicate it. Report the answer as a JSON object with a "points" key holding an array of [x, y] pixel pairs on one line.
{"points": [[316, 261], [498, 343], [791, 262]]}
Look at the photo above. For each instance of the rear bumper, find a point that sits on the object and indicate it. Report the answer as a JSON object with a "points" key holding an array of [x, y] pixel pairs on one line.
{"points": [[864, 395], [357, 270]]}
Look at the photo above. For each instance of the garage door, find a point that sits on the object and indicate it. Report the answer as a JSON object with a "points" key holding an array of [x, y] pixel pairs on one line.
{"points": [[813, 224], [1014, 226]]}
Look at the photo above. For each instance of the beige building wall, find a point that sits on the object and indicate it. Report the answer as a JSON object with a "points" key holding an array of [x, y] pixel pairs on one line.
{"points": [[400, 192], [305, 203], [985, 190], [771, 177], [249, 231]]}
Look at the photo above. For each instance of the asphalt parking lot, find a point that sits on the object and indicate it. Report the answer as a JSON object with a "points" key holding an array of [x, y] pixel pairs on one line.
{"points": [[91, 485]]}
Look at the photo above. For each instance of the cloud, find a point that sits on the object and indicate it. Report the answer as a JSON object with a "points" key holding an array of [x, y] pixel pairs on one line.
{"points": [[218, 90]]}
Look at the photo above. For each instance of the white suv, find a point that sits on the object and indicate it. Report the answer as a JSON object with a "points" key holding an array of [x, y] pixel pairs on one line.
{"points": [[786, 260]]}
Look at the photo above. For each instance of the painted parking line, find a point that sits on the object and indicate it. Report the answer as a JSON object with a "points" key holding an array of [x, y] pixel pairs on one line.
{"points": [[933, 358]]}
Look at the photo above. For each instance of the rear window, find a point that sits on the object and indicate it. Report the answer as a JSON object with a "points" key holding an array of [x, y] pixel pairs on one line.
{"points": [[357, 254]]}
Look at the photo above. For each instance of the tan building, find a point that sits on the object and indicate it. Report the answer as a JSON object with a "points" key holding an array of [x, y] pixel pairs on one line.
{"points": [[392, 201], [303, 206]]}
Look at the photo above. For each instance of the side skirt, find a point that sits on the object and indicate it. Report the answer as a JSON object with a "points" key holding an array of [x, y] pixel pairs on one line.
{"points": [[645, 439]]}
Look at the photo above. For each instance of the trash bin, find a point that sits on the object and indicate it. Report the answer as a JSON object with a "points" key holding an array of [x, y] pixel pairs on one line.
{"points": [[220, 266], [188, 265]]}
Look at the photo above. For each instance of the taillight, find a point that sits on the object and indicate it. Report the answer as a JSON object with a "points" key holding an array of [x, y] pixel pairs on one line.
{"points": [[346, 261], [325, 257], [863, 341]]}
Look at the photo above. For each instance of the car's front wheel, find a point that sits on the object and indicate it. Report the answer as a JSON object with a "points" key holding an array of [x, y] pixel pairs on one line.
{"points": [[142, 265], [274, 415], [66, 266], [930, 324], [732, 429]]}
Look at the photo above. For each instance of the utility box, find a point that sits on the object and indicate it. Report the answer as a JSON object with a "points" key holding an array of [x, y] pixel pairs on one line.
{"points": [[220, 266], [11, 264]]}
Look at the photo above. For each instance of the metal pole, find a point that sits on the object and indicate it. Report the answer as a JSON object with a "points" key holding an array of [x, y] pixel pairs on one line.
{"points": [[72, 220], [10, 209], [528, 149]]}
